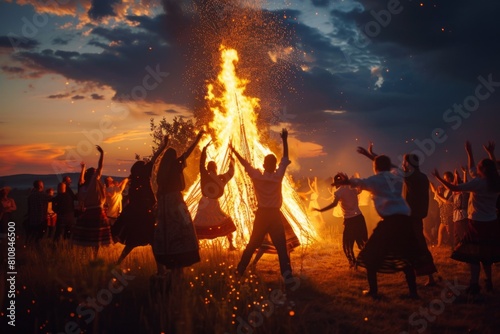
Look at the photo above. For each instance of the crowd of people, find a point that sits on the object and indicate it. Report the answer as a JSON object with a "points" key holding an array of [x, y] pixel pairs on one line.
{"points": [[156, 213]]}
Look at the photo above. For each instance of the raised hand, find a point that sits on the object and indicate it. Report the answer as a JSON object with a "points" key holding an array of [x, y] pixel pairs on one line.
{"points": [[370, 149], [284, 134], [435, 172], [490, 148], [363, 151], [468, 147], [99, 149]]}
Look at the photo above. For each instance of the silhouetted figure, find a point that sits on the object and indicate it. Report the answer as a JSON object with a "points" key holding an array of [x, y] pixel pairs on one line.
{"points": [[92, 228], [135, 225], [175, 245], [64, 205], [267, 186], [210, 221], [392, 245], [37, 213], [355, 230], [7, 207]]}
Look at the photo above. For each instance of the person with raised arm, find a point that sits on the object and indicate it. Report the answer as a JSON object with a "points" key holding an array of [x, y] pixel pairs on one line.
{"points": [[210, 221], [92, 228], [416, 194], [392, 247], [481, 243], [175, 245], [135, 225], [268, 217]]}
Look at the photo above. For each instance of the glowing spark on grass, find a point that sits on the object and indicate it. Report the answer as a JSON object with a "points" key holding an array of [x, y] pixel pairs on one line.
{"points": [[235, 121]]}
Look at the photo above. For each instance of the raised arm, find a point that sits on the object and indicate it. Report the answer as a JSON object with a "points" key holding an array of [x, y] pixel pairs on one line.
{"points": [[238, 156], [203, 157], [81, 180], [470, 157], [284, 138], [123, 184], [193, 145], [99, 164], [448, 185], [367, 152], [160, 149], [490, 149]]}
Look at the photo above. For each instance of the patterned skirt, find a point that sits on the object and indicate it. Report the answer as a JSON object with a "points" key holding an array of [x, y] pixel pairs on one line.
{"points": [[391, 247], [174, 242], [481, 243], [92, 229], [210, 221]]}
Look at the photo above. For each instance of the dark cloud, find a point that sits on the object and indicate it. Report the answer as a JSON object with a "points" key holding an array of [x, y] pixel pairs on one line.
{"points": [[18, 42], [171, 111], [60, 41], [151, 113], [100, 9], [12, 69], [58, 96], [77, 97], [96, 96]]}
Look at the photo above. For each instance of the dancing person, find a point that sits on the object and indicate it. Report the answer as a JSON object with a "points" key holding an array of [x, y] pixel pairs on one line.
{"points": [[416, 194], [114, 198], [392, 246], [267, 186], [444, 199], [460, 204], [210, 221], [37, 213], [481, 243], [355, 230], [92, 227], [267, 246], [175, 245], [135, 225]]}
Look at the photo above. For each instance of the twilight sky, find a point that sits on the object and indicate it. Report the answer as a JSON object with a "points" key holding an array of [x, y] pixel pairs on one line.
{"points": [[411, 76]]}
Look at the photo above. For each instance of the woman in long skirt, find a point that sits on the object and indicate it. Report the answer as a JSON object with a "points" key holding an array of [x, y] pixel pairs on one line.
{"points": [[175, 245], [92, 228]]}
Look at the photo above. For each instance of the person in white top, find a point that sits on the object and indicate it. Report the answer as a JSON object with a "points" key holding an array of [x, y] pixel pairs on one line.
{"points": [[354, 222], [392, 245], [481, 243], [114, 196], [268, 217]]}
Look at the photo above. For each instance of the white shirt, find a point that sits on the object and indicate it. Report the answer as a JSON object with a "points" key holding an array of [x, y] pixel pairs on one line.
{"points": [[348, 200], [386, 188], [482, 202], [113, 201], [268, 185]]}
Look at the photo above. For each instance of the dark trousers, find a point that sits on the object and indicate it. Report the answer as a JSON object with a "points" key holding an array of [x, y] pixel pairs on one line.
{"points": [[354, 232], [267, 220]]}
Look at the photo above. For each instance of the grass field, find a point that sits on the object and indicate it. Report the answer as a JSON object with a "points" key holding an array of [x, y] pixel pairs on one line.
{"points": [[60, 290]]}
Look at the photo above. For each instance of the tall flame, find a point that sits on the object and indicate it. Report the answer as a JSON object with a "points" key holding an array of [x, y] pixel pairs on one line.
{"points": [[234, 120]]}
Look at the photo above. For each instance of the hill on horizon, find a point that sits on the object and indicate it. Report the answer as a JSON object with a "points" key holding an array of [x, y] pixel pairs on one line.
{"points": [[25, 181]]}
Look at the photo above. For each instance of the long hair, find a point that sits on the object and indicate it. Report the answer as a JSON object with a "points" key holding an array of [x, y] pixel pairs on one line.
{"points": [[489, 170]]}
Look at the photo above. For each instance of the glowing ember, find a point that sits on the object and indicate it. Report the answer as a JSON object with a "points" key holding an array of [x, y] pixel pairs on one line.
{"points": [[234, 120]]}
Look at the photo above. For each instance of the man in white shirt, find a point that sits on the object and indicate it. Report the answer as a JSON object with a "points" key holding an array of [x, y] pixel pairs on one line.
{"points": [[268, 217], [391, 247]]}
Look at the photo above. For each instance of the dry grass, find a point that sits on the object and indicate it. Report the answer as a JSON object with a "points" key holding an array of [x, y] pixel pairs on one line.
{"points": [[325, 298]]}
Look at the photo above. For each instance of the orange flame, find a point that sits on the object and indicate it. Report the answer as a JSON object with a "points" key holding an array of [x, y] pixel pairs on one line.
{"points": [[234, 120]]}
